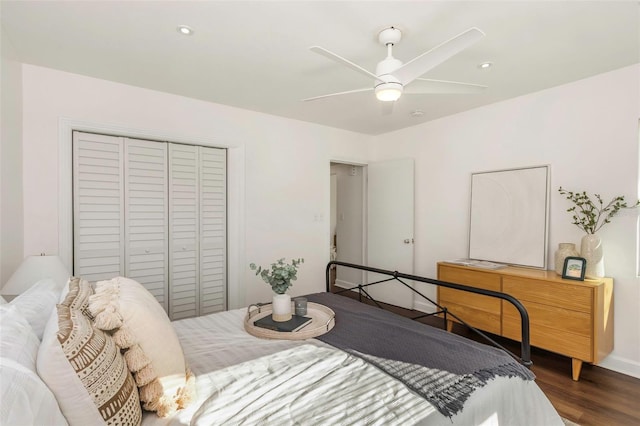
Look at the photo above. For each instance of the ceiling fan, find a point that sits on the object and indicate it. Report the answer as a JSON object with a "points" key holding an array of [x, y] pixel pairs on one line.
{"points": [[392, 76]]}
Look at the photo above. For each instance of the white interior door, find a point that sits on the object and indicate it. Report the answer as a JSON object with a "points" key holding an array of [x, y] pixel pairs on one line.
{"points": [[212, 230], [146, 214], [98, 213], [184, 238], [390, 211]]}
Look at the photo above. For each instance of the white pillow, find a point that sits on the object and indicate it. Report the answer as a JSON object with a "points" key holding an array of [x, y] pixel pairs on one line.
{"points": [[85, 370], [26, 400], [153, 352], [36, 303], [2, 301], [18, 342]]}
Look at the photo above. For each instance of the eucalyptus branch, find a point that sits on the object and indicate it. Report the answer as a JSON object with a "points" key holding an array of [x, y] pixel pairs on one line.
{"points": [[591, 217], [280, 275]]}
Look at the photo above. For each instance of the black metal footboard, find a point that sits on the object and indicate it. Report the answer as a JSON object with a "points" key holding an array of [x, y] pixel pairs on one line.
{"points": [[525, 356]]}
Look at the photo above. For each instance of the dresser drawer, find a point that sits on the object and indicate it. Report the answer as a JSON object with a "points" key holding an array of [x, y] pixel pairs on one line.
{"points": [[568, 296], [482, 312], [554, 329], [469, 277], [550, 317], [483, 319]]}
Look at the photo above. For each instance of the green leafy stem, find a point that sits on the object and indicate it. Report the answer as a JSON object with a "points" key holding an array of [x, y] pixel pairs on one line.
{"points": [[280, 275], [590, 216]]}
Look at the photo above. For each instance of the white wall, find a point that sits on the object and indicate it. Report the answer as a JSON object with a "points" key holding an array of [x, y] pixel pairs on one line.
{"points": [[587, 131], [11, 212], [283, 178]]}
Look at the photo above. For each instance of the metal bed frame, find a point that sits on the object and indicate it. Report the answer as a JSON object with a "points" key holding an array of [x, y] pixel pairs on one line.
{"points": [[525, 355]]}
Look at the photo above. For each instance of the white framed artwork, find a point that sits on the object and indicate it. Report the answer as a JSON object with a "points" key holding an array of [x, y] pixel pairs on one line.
{"points": [[510, 216]]}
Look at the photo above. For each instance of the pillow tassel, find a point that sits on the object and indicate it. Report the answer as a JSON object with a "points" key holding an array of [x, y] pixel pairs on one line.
{"points": [[145, 376], [108, 319], [103, 305], [124, 338], [150, 394], [136, 358], [166, 407], [187, 393], [153, 399]]}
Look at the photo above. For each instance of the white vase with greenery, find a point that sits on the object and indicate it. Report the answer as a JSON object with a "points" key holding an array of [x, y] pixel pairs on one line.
{"points": [[591, 217], [279, 277], [591, 250]]}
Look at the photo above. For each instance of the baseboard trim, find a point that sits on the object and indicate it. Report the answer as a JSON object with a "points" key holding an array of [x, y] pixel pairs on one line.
{"points": [[344, 284], [621, 365], [424, 306]]}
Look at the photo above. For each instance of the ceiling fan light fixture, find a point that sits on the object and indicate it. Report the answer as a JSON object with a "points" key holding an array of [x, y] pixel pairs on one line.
{"points": [[388, 92]]}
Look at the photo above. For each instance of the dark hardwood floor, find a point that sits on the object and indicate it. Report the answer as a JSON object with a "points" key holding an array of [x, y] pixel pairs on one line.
{"points": [[601, 397]]}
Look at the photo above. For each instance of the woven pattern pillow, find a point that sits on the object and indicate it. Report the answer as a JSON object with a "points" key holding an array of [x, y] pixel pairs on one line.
{"points": [[86, 372], [152, 349], [78, 296]]}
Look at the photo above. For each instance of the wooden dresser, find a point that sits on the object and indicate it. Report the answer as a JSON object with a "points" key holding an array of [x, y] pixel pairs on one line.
{"points": [[571, 318]]}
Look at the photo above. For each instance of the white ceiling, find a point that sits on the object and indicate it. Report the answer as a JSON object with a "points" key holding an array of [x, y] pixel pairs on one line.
{"points": [[254, 55]]}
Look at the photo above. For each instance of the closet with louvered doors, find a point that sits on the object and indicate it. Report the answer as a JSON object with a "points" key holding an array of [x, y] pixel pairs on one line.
{"points": [[154, 212]]}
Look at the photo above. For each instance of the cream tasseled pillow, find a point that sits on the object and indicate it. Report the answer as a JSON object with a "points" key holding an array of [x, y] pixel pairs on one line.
{"points": [[153, 352]]}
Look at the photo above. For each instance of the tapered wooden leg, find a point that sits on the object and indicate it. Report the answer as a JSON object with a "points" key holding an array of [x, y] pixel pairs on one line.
{"points": [[576, 367], [449, 325]]}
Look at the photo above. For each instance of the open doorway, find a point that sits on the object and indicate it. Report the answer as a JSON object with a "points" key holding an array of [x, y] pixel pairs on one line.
{"points": [[348, 222], [372, 223]]}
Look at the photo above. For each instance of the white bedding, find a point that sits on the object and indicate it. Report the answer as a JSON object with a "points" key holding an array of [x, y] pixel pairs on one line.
{"points": [[233, 368]]}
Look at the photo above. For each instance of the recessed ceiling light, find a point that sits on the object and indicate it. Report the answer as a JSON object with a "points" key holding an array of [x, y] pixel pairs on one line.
{"points": [[485, 65], [185, 30]]}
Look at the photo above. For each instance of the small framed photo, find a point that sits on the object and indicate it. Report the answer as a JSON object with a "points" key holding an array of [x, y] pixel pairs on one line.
{"points": [[574, 268]]}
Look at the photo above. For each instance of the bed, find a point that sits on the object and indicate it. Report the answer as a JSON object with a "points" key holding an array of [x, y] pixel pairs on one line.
{"points": [[373, 367]]}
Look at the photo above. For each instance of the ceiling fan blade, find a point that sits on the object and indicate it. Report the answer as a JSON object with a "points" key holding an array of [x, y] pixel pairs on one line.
{"points": [[339, 59], [430, 59], [368, 89], [427, 85]]}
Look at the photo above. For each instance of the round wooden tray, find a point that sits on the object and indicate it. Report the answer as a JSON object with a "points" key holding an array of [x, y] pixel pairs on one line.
{"points": [[322, 320]]}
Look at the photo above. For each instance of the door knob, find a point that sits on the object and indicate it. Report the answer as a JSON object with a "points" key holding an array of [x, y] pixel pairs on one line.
{"points": [[407, 241]]}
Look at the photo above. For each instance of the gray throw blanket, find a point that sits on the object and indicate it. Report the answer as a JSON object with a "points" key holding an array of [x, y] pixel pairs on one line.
{"points": [[441, 367]]}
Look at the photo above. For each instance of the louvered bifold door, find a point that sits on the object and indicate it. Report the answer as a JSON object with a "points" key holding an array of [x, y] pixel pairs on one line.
{"points": [[183, 231], [146, 212], [213, 238], [98, 206]]}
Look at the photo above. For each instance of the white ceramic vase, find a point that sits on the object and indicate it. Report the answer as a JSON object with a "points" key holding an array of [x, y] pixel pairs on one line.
{"points": [[591, 250], [281, 307], [564, 250]]}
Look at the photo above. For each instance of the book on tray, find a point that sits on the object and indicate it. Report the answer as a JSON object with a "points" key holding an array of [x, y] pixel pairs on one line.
{"points": [[294, 324]]}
